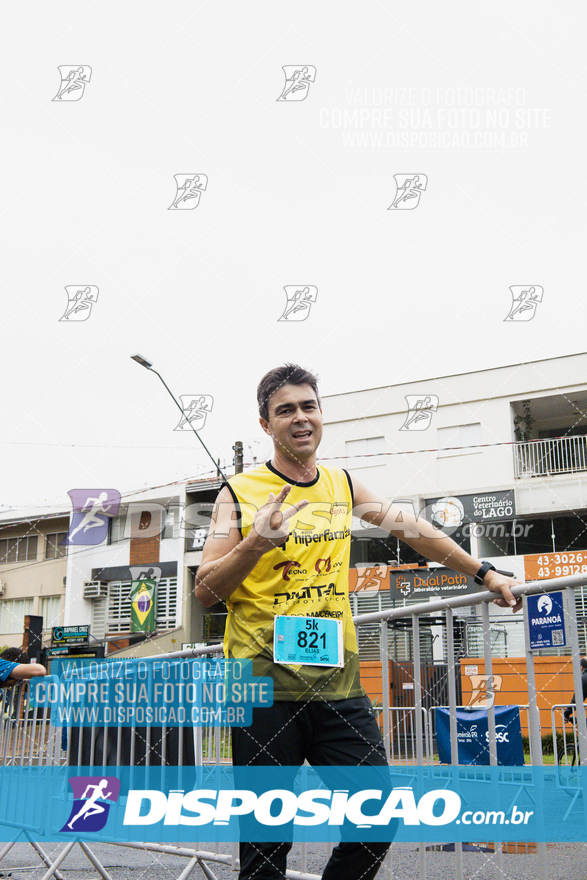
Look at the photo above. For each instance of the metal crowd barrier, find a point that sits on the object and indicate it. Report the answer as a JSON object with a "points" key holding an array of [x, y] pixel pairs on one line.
{"points": [[27, 736]]}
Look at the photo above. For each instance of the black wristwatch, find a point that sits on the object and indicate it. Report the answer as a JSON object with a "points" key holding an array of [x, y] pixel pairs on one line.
{"points": [[485, 567]]}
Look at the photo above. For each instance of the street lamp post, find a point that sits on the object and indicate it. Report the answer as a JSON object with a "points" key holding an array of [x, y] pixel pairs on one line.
{"points": [[149, 366]]}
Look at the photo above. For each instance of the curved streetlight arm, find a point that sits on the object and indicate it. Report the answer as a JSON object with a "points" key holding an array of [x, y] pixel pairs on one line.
{"points": [[149, 366]]}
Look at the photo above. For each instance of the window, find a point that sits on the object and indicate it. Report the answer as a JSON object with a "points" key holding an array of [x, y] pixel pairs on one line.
{"points": [[12, 615], [527, 537], [23, 549], [50, 611], [392, 551], [171, 525], [118, 605], [53, 546], [451, 440], [366, 446], [116, 529]]}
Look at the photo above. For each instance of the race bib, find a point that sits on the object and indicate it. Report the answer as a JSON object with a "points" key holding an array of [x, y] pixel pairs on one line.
{"points": [[311, 641]]}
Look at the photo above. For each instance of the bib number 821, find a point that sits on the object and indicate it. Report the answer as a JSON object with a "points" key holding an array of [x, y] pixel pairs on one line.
{"points": [[313, 642]]}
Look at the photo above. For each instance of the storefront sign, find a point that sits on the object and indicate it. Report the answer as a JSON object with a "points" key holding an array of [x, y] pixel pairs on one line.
{"points": [[542, 566], [455, 510], [546, 621], [70, 635], [437, 582]]}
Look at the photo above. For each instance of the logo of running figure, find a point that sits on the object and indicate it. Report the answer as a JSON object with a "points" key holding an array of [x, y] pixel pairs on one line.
{"points": [[484, 689], [73, 82], [195, 409], [90, 808], [92, 509], [420, 410], [79, 302], [371, 577], [409, 189], [299, 300], [297, 82], [189, 188], [524, 302]]}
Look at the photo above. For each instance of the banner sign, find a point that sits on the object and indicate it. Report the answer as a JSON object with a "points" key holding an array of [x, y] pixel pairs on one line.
{"points": [[542, 566], [191, 692], [69, 635], [455, 510], [183, 804], [436, 582], [473, 736], [546, 621]]}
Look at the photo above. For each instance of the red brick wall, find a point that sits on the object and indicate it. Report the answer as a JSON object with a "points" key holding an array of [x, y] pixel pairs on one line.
{"points": [[143, 551]]}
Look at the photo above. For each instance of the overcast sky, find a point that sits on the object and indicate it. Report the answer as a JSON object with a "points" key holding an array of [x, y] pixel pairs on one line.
{"points": [[297, 193]]}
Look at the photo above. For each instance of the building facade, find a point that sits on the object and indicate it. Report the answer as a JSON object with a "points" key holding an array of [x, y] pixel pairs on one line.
{"points": [[497, 458], [33, 564]]}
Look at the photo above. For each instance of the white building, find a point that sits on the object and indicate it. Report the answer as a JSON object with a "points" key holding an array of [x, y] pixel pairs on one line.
{"points": [[32, 570], [500, 455]]}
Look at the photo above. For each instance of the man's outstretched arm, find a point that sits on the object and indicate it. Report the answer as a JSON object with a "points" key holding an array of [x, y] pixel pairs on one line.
{"points": [[429, 542], [27, 670]]}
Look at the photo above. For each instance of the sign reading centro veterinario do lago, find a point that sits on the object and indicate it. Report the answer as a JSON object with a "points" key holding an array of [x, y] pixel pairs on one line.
{"points": [[546, 621], [456, 510]]}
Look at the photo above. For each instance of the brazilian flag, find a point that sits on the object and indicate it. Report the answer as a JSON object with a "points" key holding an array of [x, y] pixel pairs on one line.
{"points": [[143, 598]]}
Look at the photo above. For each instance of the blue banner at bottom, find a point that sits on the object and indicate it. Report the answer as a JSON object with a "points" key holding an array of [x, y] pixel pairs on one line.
{"points": [[188, 804]]}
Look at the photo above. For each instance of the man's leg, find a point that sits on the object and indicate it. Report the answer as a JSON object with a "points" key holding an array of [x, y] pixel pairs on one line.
{"points": [[347, 734], [275, 738]]}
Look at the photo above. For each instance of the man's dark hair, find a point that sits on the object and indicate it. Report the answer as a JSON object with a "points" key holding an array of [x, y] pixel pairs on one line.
{"points": [[288, 374], [14, 655], [583, 662]]}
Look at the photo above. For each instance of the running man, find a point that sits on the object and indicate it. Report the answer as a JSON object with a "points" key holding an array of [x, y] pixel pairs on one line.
{"points": [[81, 301], [195, 411], [92, 519], [299, 80], [75, 80], [190, 189], [299, 301], [289, 510], [525, 301], [411, 189], [91, 808], [422, 410]]}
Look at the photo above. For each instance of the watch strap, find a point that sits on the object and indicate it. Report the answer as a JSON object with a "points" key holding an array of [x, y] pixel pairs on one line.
{"points": [[485, 567]]}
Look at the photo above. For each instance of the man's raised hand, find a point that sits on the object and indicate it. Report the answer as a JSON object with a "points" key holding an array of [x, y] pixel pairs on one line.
{"points": [[270, 525]]}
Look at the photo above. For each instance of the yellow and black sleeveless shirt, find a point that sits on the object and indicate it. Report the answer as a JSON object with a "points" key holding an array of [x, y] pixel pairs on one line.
{"points": [[307, 576]]}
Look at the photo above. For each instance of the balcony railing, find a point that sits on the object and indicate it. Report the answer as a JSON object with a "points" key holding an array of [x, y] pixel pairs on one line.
{"points": [[544, 458]]}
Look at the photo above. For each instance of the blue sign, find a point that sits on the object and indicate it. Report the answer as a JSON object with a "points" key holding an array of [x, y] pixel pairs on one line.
{"points": [[473, 736], [312, 641], [221, 804], [152, 692], [546, 621]]}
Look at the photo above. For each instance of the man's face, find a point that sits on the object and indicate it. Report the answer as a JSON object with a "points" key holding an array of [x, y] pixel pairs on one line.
{"points": [[295, 422]]}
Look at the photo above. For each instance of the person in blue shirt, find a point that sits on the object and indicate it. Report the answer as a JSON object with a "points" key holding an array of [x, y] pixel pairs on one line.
{"points": [[15, 667]]}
